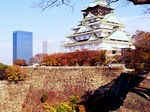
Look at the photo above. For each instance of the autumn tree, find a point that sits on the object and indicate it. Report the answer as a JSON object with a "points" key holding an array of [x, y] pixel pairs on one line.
{"points": [[3, 67], [90, 57], [99, 57], [69, 59], [20, 62], [52, 60], [15, 73], [79, 57], [139, 58], [38, 58]]}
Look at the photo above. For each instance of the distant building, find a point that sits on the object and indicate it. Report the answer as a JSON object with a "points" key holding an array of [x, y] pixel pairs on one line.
{"points": [[22, 45], [47, 47], [62, 48], [99, 29]]}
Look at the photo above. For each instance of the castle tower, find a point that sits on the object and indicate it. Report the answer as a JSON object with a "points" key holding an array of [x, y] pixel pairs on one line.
{"points": [[98, 30]]}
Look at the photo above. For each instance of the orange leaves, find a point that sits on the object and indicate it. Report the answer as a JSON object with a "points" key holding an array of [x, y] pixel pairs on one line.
{"points": [[84, 57], [20, 62], [15, 73], [52, 60], [81, 108]]}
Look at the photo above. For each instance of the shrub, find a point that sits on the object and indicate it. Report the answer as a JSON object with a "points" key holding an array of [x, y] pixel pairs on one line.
{"points": [[15, 73], [48, 108], [71, 106], [20, 62], [73, 99], [63, 107], [44, 97], [2, 76], [3, 67]]}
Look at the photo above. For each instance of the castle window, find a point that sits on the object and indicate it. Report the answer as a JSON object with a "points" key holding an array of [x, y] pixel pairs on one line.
{"points": [[79, 38], [84, 37], [97, 26]]}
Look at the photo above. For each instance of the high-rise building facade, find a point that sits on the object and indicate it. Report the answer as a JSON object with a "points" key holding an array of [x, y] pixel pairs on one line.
{"points": [[22, 45], [47, 47]]}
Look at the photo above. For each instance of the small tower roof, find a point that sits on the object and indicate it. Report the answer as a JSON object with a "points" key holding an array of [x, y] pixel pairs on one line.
{"points": [[102, 3], [99, 2]]}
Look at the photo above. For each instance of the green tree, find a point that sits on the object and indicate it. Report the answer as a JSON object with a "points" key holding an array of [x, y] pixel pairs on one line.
{"points": [[3, 67]]}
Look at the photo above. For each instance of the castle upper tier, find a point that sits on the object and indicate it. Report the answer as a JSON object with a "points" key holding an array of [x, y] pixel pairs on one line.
{"points": [[98, 30]]}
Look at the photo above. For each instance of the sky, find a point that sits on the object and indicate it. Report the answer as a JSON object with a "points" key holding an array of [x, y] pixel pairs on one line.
{"points": [[55, 23]]}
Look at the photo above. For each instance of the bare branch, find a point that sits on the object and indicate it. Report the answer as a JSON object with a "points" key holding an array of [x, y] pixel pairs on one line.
{"points": [[146, 9], [111, 1], [45, 4]]}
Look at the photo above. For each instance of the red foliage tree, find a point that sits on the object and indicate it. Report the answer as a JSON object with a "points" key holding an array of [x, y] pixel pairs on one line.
{"points": [[139, 59], [52, 60], [20, 62], [81, 58], [99, 57], [69, 59], [117, 59], [76, 58]]}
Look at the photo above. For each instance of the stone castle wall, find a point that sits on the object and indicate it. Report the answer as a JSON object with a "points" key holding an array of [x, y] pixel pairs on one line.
{"points": [[57, 82]]}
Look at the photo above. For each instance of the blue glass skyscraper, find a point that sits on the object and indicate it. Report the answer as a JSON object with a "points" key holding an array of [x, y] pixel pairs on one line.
{"points": [[22, 45]]}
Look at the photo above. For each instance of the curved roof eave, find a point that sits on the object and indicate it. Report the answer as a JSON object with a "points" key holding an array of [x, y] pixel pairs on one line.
{"points": [[98, 3]]}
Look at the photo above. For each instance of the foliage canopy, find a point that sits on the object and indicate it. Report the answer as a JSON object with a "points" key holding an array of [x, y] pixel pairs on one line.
{"points": [[139, 59], [15, 73], [38, 58], [81, 58], [20, 62]]}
